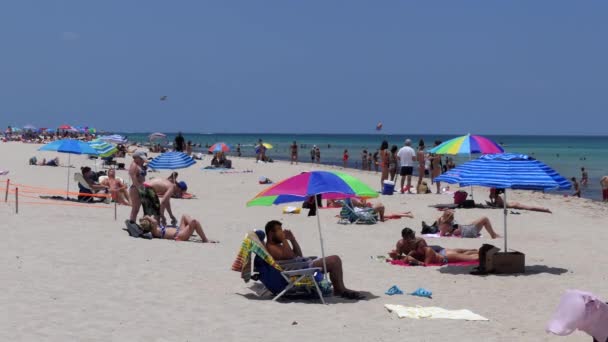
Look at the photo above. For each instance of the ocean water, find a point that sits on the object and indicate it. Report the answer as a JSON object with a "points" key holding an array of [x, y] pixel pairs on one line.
{"points": [[565, 154]]}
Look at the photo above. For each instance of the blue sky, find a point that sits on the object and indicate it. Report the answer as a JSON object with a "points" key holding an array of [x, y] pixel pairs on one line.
{"points": [[488, 67]]}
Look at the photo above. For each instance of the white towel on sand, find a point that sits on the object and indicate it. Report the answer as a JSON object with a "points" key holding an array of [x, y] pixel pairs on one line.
{"points": [[433, 312]]}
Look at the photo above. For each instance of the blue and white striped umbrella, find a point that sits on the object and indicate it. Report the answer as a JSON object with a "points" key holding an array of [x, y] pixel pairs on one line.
{"points": [[115, 139], [171, 161], [508, 171]]}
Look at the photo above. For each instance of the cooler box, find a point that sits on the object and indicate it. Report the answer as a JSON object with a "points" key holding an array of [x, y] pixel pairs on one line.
{"points": [[506, 262], [388, 188]]}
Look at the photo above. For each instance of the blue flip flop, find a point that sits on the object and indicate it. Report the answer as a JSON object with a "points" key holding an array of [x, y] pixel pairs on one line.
{"points": [[420, 292], [394, 290]]}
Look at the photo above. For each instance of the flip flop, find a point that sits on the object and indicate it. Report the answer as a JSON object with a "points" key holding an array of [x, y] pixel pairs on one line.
{"points": [[394, 290], [420, 292]]}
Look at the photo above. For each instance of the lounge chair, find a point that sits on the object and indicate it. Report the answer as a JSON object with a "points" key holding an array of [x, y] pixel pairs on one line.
{"points": [[349, 214], [289, 278]]}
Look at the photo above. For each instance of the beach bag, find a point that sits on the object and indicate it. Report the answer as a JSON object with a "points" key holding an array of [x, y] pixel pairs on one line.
{"points": [[468, 204], [460, 196]]}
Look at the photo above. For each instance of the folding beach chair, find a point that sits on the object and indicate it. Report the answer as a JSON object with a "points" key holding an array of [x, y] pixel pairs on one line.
{"points": [[349, 214], [291, 278]]}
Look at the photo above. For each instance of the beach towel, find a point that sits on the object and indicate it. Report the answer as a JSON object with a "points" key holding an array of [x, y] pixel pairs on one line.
{"points": [[149, 201], [433, 312], [438, 235], [242, 263], [462, 263]]}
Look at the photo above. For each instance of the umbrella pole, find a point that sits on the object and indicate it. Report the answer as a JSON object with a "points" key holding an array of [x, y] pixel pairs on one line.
{"points": [[67, 189], [505, 222], [472, 197], [321, 237]]}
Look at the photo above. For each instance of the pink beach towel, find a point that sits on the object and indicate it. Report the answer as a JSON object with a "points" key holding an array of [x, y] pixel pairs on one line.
{"points": [[463, 263], [437, 235], [583, 311]]}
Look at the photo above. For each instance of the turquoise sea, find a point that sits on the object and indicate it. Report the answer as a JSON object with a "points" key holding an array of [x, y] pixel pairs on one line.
{"points": [[566, 154]]}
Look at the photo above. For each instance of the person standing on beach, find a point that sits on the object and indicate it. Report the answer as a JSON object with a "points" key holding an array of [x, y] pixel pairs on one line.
{"points": [[584, 177], [375, 160], [384, 160], [180, 142], [393, 162], [436, 167], [313, 152], [604, 184], [421, 162], [318, 155], [577, 187], [294, 152], [238, 150], [364, 160], [137, 172], [407, 156], [345, 159]]}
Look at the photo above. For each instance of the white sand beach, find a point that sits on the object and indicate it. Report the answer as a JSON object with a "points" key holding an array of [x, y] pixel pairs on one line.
{"points": [[73, 274]]}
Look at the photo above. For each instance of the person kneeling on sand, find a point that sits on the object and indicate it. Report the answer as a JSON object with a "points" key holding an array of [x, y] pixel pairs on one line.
{"points": [[448, 227], [416, 251], [497, 201], [187, 227], [282, 245]]}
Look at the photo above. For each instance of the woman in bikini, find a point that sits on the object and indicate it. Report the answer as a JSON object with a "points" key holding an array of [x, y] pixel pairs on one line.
{"points": [[384, 160], [416, 251], [498, 202], [137, 172], [183, 232], [447, 226]]}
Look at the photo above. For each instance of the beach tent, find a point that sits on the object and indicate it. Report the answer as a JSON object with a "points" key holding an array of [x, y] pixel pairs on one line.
{"points": [[69, 146], [328, 184], [507, 171]]}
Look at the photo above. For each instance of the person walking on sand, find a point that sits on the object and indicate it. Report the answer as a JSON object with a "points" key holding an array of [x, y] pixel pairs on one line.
{"points": [[345, 159], [604, 184], [584, 177], [436, 168], [577, 187], [294, 152], [384, 161], [407, 157], [421, 158]]}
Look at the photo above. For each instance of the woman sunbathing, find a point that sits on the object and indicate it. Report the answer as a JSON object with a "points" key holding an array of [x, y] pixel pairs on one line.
{"points": [[497, 201], [118, 189], [447, 226], [187, 227], [415, 251], [378, 208]]}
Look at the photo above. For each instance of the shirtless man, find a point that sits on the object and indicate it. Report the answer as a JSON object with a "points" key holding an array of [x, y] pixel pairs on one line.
{"points": [[497, 201], [604, 184], [416, 251], [282, 245], [165, 189], [421, 158], [118, 189], [584, 176], [436, 167]]}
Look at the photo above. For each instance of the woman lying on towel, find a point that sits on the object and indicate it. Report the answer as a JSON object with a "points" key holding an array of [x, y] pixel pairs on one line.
{"points": [[187, 227], [362, 204], [497, 201], [449, 227], [415, 251]]}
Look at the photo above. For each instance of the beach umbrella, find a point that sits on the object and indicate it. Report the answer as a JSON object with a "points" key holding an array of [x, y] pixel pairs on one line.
{"points": [[103, 148], [468, 144], [507, 171], [219, 147], [69, 146], [115, 139], [171, 161], [65, 127], [268, 146], [328, 184], [157, 136]]}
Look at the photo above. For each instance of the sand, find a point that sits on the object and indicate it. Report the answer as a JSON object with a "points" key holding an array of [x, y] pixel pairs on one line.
{"points": [[72, 273]]}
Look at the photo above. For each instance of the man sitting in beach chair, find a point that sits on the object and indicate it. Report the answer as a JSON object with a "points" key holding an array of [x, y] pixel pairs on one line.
{"points": [[415, 251], [282, 245]]}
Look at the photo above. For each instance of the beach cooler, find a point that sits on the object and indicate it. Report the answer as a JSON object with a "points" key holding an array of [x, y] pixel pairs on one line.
{"points": [[505, 262], [388, 187]]}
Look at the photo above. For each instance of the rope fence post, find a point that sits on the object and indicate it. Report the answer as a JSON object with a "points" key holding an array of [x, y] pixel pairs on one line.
{"points": [[16, 200], [8, 183]]}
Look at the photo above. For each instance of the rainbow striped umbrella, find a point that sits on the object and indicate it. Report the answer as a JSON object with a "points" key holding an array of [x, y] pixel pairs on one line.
{"points": [[328, 184], [219, 147], [468, 144]]}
